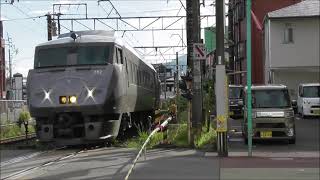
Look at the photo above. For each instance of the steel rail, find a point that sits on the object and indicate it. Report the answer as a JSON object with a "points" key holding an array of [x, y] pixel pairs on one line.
{"points": [[17, 138]]}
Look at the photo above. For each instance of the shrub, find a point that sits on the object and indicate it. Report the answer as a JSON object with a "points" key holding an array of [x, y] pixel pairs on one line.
{"points": [[206, 139], [23, 117]]}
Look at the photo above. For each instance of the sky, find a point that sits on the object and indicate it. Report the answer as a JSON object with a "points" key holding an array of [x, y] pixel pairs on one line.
{"points": [[25, 24]]}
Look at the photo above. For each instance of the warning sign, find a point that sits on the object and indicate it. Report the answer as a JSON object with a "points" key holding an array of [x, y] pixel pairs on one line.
{"points": [[199, 51], [221, 123]]}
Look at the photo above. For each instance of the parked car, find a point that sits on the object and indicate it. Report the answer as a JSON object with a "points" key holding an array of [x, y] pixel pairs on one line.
{"points": [[272, 114], [309, 99], [235, 101]]}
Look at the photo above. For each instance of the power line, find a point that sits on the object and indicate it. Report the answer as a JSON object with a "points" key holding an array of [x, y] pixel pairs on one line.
{"points": [[18, 19]]}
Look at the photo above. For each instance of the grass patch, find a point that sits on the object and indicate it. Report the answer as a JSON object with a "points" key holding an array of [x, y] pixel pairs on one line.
{"points": [[178, 136], [138, 141], [14, 130], [206, 139]]}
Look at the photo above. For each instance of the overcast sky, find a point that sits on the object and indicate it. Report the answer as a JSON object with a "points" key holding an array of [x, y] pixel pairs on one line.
{"points": [[27, 32]]}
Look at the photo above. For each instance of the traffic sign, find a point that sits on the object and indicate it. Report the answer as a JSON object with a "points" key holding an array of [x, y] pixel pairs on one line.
{"points": [[199, 51]]}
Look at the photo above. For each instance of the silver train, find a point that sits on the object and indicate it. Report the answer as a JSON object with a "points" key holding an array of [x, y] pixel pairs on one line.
{"points": [[89, 86]]}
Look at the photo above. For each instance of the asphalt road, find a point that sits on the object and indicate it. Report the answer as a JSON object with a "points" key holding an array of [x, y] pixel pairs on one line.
{"points": [[276, 160], [307, 138]]}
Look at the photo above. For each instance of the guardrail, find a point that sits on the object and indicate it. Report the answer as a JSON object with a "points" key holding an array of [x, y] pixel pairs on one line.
{"points": [[143, 148]]}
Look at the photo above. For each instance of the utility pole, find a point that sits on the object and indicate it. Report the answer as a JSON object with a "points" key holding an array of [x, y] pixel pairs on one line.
{"points": [[10, 60], [2, 61], [193, 36], [165, 82], [49, 26], [221, 82], [196, 73], [177, 84]]}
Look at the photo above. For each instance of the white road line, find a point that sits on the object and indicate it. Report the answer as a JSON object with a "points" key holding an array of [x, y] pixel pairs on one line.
{"points": [[19, 159], [281, 159], [236, 140], [19, 174]]}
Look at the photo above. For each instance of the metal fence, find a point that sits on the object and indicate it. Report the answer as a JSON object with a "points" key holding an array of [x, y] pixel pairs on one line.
{"points": [[10, 110]]}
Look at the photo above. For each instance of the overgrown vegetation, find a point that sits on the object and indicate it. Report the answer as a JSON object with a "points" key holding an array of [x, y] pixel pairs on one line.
{"points": [[9, 129], [14, 130], [138, 141], [177, 134], [206, 139], [24, 117]]}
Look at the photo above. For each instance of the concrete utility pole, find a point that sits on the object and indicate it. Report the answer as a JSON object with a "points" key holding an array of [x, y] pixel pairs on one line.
{"points": [[49, 26], [10, 60], [196, 72], [221, 82], [165, 81], [193, 36], [177, 84]]}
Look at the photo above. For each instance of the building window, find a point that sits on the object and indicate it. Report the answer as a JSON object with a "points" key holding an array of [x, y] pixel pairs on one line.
{"points": [[288, 34]]}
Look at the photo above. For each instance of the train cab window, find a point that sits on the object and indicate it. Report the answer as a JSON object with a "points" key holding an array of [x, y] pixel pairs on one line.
{"points": [[71, 56]]}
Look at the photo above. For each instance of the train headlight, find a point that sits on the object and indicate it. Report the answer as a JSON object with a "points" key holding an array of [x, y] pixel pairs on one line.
{"points": [[72, 99], [63, 100]]}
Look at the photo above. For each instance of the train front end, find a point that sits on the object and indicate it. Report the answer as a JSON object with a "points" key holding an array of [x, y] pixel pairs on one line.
{"points": [[68, 90]]}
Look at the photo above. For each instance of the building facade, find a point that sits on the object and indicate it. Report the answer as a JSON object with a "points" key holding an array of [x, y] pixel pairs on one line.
{"points": [[291, 45], [237, 36]]}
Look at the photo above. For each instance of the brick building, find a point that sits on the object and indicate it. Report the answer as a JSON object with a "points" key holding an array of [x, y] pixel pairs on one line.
{"points": [[237, 33]]}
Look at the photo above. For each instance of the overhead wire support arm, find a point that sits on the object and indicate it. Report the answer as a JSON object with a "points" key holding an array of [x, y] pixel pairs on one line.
{"points": [[140, 18], [113, 7], [70, 4], [132, 17], [83, 24], [163, 47]]}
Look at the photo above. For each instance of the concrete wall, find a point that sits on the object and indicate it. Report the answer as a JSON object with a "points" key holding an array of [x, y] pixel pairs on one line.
{"points": [[260, 9], [293, 63], [293, 78], [304, 52]]}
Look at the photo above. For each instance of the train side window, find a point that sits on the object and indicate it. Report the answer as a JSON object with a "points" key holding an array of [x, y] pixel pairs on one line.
{"points": [[116, 59], [125, 59], [120, 57], [133, 74]]}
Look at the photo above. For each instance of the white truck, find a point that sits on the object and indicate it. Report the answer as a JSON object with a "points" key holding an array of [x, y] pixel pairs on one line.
{"points": [[309, 99]]}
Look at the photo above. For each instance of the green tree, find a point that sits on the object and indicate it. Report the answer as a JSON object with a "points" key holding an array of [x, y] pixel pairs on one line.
{"points": [[24, 116]]}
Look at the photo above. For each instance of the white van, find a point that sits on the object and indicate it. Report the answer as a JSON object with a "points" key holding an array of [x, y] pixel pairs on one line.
{"points": [[309, 99]]}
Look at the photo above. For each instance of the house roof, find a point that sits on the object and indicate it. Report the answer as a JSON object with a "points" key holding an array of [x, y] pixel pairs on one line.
{"points": [[306, 8]]}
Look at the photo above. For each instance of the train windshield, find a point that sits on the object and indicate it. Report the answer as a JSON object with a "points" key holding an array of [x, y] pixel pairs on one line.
{"points": [[71, 55], [270, 98]]}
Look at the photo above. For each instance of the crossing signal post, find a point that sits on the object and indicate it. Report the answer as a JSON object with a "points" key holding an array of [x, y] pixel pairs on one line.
{"points": [[186, 91], [186, 86]]}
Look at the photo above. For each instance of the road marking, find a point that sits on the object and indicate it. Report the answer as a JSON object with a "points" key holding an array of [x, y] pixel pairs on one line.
{"points": [[281, 159], [19, 174], [236, 140], [19, 159]]}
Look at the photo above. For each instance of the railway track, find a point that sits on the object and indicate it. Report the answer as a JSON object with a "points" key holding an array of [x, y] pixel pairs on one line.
{"points": [[18, 138]]}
